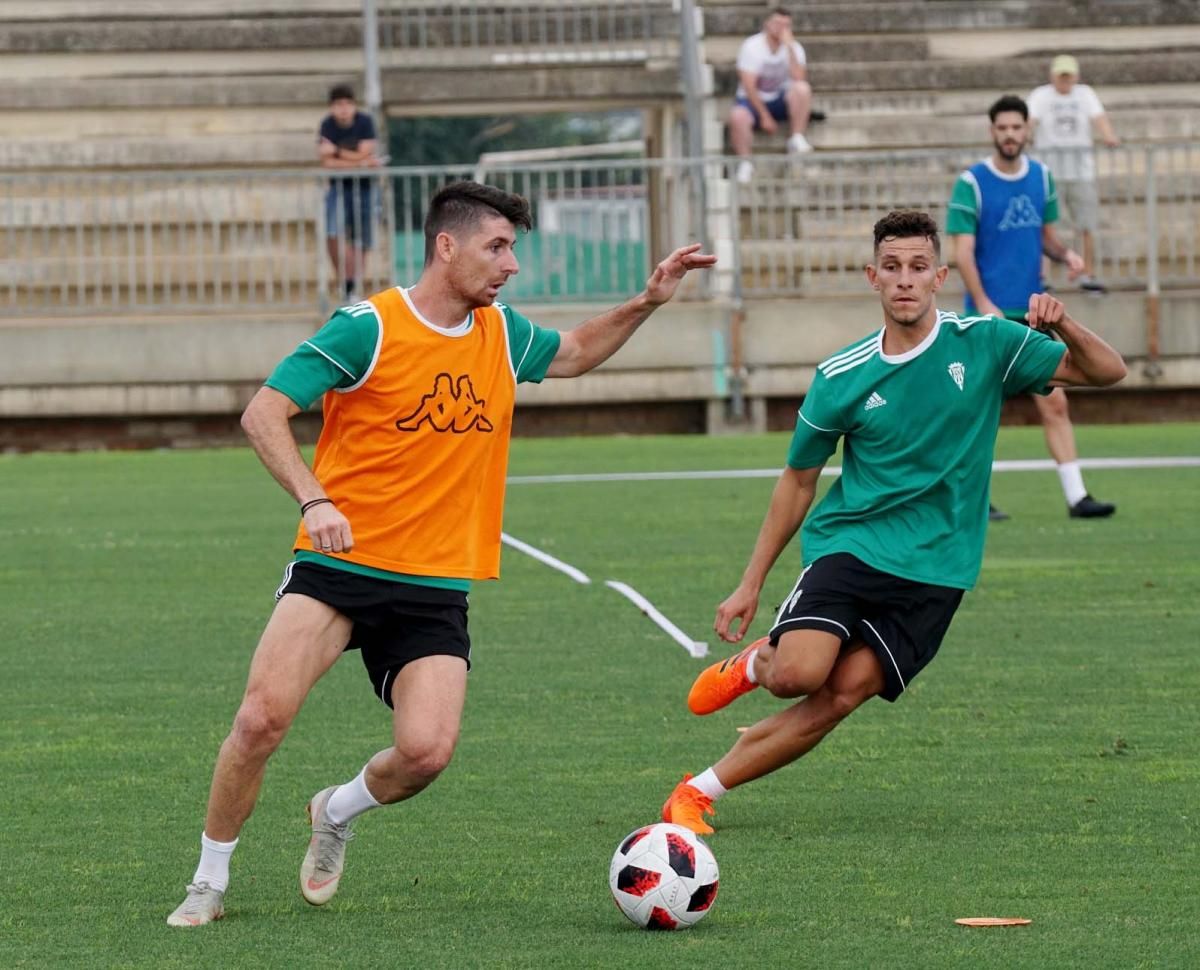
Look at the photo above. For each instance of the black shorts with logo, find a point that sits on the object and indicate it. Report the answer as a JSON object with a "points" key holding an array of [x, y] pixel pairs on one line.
{"points": [[903, 622], [394, 622]]}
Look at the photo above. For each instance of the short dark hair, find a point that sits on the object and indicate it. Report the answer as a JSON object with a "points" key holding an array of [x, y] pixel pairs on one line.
{"points": [[1010, 102], [461, 204], [779, 12], [341, 92], [907, 224]]}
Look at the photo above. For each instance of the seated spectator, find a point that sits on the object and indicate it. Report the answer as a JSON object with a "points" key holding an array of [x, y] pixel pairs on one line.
{"points": [[1062, 114], [347, 140], [772, 88]]}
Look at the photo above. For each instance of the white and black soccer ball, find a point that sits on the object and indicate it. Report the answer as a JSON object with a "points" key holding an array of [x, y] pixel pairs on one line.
{"points": [[663, 877]]}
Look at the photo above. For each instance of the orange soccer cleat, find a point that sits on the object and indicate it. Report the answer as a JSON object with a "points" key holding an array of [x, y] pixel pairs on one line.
{"points": [[722, 683], [687, 806]]}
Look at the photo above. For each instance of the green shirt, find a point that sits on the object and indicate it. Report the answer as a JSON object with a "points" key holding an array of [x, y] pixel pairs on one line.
{"points": [[341, 354], [919, 431]]}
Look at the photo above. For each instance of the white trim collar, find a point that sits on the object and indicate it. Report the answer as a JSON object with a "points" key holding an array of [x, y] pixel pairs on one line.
{"points": [[1015, 177], [919, 349], [458, 330]]}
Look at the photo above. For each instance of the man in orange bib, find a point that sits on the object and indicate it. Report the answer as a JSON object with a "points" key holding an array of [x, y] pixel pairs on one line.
{"points": [[400, 511]]}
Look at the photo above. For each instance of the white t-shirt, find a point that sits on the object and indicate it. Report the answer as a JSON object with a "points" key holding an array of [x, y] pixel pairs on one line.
{"points": [[773, 70], [1063, 137]]}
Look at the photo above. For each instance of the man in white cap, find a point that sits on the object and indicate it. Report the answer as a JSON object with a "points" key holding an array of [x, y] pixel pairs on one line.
{"points": [[1062, 115]]}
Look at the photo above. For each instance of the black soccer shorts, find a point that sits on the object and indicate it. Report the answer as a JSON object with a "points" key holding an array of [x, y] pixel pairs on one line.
{"points": [[394, 622], [903, 622]]}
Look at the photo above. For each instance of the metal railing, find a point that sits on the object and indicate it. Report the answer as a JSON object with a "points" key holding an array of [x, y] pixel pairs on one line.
{"points": [[274, 240], [288, 241], [803, 223], [528, 31]]}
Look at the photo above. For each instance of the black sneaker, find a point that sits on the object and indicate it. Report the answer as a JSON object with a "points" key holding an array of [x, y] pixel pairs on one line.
{"points": [[1088, 508], [995, 515], [1090, 284]]}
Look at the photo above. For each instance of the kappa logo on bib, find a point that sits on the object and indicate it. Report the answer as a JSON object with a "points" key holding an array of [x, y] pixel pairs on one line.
{"points": [[450, 406]]}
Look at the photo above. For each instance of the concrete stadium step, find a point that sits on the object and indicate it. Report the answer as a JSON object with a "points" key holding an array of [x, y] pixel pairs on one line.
{"points": [[1020, 73], [192, 121], [184, 91], [108, 205], [816, 271], [26, 10], [978, 44], [972, 102], [865, 47], [853, 223], [248, 266], [871, 183], [179, 33], [1080, 41], [884, 131], [164, 64], [263, 151], [416, 31], [725, 18]]}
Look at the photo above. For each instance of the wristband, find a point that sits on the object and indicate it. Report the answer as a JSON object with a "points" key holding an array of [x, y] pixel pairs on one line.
{"points": [[314, 501]]}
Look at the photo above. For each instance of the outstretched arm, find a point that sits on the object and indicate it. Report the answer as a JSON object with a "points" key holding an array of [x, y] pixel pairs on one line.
{"points": [[593, 342], [790, 503], [1089, 360]]}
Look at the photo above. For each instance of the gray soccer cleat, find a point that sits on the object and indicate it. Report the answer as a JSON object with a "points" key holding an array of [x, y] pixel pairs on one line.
{"points": [[322, 868], [202, 905]]}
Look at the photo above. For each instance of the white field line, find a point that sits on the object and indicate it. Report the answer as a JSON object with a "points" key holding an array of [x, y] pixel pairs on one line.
{"points": [[1019, 465], [694, 647], [545, 557]]}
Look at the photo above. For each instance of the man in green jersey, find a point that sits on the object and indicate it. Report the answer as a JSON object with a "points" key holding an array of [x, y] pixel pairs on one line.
{"points": [[890, 550]]}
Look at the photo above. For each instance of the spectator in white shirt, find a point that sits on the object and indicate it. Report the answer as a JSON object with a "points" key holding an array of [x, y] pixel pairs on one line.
{"points": [[1063, 114], [772, 87]]}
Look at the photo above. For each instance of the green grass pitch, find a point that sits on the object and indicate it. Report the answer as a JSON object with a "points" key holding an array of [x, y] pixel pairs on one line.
{"points": [[1044, 766]]}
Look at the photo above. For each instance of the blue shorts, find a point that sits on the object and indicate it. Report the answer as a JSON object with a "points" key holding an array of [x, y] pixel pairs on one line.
{"points": [[350, 212], [777, 109]]}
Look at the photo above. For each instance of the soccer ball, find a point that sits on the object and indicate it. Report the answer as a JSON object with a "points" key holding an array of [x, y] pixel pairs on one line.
{"points": [[663, 877]]}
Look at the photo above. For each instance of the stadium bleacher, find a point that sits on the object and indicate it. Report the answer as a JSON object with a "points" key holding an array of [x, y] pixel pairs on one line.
{"points": [[152, 90]]}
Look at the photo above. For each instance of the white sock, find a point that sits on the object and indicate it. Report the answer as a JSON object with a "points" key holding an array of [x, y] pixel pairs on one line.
{"points": [[1071, 477], [750, 675], [709, 784], [350, 800], [214, 863]]}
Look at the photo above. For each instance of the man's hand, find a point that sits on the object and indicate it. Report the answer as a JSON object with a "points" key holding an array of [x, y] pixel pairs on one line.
{"points": [[740, 605], [666, 276], [1074, 263], [767, 123], [1044, 311], [328, 529]]}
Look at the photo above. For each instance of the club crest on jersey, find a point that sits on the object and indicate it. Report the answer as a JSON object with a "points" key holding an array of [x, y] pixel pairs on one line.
{"points": [[450, 406], [874, 401], [958, 372]]}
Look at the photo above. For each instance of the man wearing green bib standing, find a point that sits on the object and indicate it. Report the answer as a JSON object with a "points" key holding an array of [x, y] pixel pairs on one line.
{"points": [[889, 551]]}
